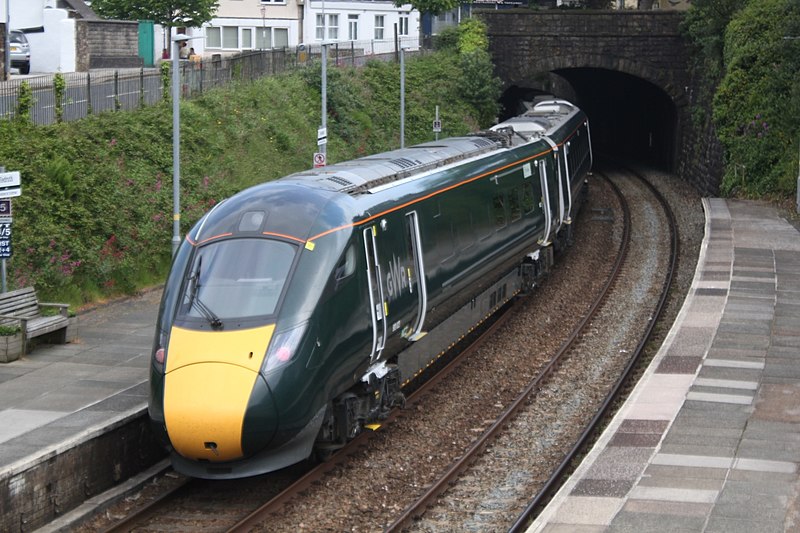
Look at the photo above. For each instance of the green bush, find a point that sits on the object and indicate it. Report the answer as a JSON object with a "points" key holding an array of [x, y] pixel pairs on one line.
{"points": [[757, 104]]}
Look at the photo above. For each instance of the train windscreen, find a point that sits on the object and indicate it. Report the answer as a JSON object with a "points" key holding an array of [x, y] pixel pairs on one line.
{"points": [[236, 278]]}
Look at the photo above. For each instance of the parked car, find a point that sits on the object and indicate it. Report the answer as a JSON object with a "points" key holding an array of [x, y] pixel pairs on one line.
{"points": [[20, 51]]}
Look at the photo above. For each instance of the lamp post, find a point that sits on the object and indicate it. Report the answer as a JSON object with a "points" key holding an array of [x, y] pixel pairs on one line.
{"points": [[263, 26], [176, 140], [402, 97], [7, 45]]}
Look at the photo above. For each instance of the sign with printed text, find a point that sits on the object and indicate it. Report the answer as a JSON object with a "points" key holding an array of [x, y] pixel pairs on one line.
{"points": [[5, 240], [322, 136], [5, 208], [10, 193], [10, 179]]}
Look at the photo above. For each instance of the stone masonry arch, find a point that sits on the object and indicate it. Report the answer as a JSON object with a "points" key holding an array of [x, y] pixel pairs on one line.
{"points": [[531, 48]]}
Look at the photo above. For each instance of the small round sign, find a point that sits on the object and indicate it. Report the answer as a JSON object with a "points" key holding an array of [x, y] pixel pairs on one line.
{"points": [[319, 159]]}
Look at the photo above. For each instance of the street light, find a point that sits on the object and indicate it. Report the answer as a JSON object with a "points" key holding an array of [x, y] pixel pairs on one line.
{"points": [[263, 26], [7, 45], [176, 140], [402, 96]]}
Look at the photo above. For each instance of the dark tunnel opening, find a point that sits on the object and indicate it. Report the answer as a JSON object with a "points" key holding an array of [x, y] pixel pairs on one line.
{"points": [[631, 119]]}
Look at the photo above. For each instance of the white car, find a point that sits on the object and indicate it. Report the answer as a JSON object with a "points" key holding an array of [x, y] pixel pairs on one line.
{"points": [[20, 51]]}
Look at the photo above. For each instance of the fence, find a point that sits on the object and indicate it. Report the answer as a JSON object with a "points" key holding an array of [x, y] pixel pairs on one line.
{"points": [[99, 91]]}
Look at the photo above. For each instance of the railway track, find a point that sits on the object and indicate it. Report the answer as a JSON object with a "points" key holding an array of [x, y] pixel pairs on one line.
{"points": [[468, 478], [295, 496]]}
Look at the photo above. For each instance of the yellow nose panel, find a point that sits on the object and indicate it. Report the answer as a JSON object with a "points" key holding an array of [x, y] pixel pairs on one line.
{"points": [[210, 376], [244, 347]]}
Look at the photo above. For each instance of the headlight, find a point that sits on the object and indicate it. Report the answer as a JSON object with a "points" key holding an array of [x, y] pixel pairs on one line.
{"points": [[283, 347], [160, 352]]}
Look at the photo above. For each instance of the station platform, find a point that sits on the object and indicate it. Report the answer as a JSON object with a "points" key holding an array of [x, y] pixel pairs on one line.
{"points": [[73, 416], [709, 440]]}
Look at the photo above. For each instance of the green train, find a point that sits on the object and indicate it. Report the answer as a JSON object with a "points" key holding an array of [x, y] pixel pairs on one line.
{"points": [[297, 310]]}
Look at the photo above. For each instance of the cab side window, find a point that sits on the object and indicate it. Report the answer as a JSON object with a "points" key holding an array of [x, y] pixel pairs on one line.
{"points": [[346, 266]]}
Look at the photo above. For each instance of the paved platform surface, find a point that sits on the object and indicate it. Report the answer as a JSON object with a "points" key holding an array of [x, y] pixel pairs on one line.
{"points": [[60, 395], [709, 441]]}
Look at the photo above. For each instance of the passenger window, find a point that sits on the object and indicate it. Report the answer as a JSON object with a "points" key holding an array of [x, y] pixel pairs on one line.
{"points": [[514, 205], [499, 204], [528, 203]]}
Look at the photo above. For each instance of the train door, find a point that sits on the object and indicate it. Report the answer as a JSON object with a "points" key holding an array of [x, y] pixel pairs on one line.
{"points": [[396, 277], [416, 277], [376, 296], [568, 180], [548, 216]]}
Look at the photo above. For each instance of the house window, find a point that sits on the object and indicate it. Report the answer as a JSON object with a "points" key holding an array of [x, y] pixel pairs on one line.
{"points": [[333, 27], [379, 25], [263, 38], [223, 37], [247, 38], [230, 37], [320, 27], [403, 26], [213, 39], [272, 38], [352, 27], [280, 37]]}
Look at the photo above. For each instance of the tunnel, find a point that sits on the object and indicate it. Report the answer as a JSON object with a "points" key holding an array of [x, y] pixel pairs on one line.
{"points": [[631, 119]]}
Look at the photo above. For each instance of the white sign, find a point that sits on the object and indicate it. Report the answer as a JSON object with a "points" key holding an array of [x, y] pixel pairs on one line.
{"points": [[322, 136], [10, 193], [437, 126], [10, 179], [319, 160]]}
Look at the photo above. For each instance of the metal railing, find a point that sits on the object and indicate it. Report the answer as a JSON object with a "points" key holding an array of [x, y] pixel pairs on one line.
{"points": [[104, 90]]}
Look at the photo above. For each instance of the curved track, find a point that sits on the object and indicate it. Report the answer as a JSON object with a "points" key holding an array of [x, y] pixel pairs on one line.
{"points": [[219, 506]]}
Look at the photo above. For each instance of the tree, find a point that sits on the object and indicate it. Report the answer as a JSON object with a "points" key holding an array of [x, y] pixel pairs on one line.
{"points": [[169, 13], [434, 7]]}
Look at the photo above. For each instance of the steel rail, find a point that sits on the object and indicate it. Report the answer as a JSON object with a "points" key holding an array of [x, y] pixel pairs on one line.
{"points": [[141, 513], [556, 479], [417, 508]]}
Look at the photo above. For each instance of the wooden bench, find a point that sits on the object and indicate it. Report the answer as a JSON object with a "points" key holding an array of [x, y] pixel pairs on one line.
{"points": [[24, 308]]}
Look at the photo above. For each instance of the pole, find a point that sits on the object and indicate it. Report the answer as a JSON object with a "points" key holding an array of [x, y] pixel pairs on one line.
{"points": [[436, 133], [176, 149], [323, 147], [3, 262], [798, 184], [7, 48], [402, 99]]}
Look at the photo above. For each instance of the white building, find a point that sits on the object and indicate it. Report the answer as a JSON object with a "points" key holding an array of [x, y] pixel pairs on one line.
{"points": [[49, 29], [369, 25], [241, 25]]}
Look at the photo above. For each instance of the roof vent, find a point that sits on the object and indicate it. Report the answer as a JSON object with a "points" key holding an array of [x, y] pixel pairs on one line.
{"points": [[339, 181], [404, 162]]}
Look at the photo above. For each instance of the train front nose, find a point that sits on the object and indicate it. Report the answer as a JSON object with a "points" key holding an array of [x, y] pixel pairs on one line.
{"points": [[217, 406]]}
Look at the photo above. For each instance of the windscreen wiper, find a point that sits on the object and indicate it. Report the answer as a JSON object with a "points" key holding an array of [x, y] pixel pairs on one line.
{"points": [[194, 299]]}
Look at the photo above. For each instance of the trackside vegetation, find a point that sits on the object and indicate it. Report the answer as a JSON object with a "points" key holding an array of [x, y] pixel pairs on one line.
{"points": [[748, 55], [95, 216]]}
